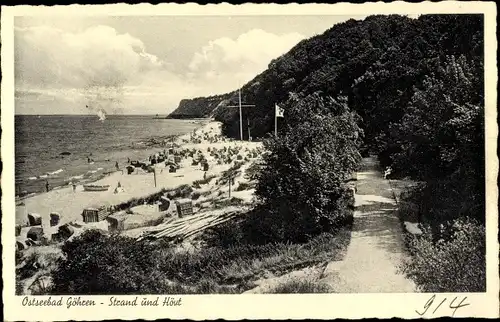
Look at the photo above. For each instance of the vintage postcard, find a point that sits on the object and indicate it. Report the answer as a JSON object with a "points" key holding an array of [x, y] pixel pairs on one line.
{"points": [[267, 161]]}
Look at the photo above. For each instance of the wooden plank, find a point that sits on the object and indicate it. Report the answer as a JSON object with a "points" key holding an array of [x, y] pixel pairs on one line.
{"points": [[192, 225]]}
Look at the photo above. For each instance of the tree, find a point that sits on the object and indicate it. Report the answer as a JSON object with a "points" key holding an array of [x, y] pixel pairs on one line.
{"points": [[441, 140], [440, 126], [301, 183]]}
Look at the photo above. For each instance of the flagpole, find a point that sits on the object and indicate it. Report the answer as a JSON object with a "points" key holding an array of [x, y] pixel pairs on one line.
{"points": [[241, 118], [248, 127], [239, 106], [275, 120]]}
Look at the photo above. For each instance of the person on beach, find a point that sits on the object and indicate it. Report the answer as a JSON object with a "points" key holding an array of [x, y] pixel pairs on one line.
{"points": [[74, 186], [117, 166], [47, 186]]}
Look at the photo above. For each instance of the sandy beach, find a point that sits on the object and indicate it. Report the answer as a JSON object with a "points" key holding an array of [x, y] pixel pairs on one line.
{"points": [[70, 204]]}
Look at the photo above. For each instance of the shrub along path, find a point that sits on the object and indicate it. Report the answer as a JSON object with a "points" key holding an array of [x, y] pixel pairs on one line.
{"points": [[376, 248]]}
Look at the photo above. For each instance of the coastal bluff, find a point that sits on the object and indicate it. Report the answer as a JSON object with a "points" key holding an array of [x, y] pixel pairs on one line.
{"points": [[200, 107]]}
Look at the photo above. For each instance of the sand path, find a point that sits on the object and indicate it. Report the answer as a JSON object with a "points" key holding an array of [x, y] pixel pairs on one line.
{"points": [[376, 248]]}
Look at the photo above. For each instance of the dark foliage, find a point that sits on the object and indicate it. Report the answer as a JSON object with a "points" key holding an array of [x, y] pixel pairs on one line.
{"points": [[301, 180], [98, 264], [453, 262]]}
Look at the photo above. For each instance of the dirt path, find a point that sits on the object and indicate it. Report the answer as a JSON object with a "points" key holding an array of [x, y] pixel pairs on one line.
{"points": [[376, 248]]}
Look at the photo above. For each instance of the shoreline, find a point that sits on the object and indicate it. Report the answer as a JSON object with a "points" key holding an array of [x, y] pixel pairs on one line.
{"points": [[151, 145], [70, 204]]}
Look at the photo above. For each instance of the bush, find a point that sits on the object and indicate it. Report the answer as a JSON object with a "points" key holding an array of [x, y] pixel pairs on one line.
{"points": [[30, 267], [229, 174], [234, 201], [437, 202], [454, 263], [301, 182], [204, 181], [18, 257], [96, 264], [244, 186], [253, 170], [19, 287]]}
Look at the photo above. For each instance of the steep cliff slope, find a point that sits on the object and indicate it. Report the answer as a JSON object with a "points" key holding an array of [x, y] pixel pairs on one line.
{"points": [[200, 107]]}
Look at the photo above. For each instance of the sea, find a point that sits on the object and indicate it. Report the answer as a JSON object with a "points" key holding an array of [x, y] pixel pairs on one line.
{"points": [[61, 149]]}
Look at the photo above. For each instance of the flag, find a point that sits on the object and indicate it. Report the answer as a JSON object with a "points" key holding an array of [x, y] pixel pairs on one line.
{"points": [[279, 111]]}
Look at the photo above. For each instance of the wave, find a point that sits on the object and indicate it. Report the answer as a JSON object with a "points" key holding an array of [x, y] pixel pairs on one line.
{"points": [[55, 172], [32, 178], [99, 169], [77, 177]]}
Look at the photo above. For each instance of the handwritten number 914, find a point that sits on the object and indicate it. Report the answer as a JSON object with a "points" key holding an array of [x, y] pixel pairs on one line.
{"points": [[432, 306]]}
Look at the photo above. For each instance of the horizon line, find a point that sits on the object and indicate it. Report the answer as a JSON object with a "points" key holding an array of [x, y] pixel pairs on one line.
{"points": [[76, 114]]}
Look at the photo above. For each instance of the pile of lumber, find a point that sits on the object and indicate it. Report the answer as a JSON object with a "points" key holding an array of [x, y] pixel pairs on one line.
{"points": [[186, 227]]}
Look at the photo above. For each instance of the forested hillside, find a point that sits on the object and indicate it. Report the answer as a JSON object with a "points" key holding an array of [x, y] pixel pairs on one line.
{"points": [[376, 63]]}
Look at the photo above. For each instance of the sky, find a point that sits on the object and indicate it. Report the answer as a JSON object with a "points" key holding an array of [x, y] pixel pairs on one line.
{"points": [[145, 64]]}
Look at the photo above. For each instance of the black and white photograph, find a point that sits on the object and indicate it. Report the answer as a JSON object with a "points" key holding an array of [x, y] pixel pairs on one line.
{"points": [[173, 155]]}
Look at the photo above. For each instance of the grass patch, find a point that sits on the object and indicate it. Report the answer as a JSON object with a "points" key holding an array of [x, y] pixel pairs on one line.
{"points": [[236, 266], [35, 264], [301, 287], [183, 191], [157, 268], [223, 203]]}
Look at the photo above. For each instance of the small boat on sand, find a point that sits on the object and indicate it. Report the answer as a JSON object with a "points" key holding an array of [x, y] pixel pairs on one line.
{"points": [[94, 187]]}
